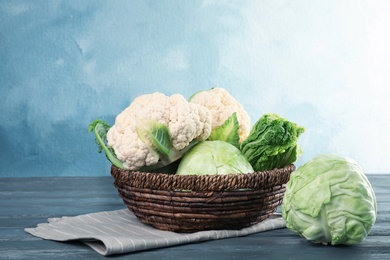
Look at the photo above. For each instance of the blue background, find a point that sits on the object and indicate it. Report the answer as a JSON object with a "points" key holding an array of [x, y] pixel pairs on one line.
{"points": [[322, 64]]}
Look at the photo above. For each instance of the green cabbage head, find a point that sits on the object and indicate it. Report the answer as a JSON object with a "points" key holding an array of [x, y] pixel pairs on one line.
{"points": [[213, 157], [272, 143], [329, 200]]}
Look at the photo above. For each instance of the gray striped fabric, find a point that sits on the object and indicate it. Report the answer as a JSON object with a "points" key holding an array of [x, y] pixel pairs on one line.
{"points": [[119, 231]]}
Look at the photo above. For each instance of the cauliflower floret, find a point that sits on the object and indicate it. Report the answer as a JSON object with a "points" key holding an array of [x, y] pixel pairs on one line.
{"points": [[134, 154], [222, 105], [185, 122]]}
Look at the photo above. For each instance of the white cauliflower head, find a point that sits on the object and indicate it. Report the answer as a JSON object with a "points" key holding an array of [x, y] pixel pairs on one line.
{"points": [[186, 123], [222, 105]]}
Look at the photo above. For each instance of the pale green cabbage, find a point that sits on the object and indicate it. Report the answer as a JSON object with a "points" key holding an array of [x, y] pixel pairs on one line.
{"points": [[213, 157], [329, 200]]}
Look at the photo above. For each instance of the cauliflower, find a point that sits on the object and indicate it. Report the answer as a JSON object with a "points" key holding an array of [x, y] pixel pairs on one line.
{"points": [[155, 130], [222, 105]]}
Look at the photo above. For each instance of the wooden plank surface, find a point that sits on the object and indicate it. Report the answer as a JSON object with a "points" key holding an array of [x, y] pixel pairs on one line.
{"points": [[26, 202]]}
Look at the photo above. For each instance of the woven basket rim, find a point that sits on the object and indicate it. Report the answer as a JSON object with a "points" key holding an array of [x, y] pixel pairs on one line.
{"points": [[172, 182]]}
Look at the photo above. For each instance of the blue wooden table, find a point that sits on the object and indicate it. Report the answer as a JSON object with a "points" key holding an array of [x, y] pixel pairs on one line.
{"points": [[26, 202]]}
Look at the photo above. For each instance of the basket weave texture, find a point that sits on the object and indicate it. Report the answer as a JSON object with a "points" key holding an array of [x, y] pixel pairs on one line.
{"points": [[190, 203]]}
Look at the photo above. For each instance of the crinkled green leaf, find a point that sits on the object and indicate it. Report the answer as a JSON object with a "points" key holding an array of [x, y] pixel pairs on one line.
{"points": [[272, 143]]}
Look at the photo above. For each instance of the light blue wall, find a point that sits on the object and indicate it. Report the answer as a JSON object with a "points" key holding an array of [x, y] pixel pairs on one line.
{"points": [[322, 64]]}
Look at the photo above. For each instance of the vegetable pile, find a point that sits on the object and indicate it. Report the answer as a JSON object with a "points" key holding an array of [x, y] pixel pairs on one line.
{"points": [[328, 200], [211, 132]]}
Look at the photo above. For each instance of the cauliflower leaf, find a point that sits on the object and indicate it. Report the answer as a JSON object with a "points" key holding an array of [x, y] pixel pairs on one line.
{"points": [[158, 138], [227, 132], [100, 129], [222, 105]]}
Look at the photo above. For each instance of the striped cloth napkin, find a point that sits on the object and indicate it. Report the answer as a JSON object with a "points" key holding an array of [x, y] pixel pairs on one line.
{"points": [[119, 231]]}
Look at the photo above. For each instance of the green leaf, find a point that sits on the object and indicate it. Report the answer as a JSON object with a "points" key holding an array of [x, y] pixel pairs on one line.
{"points": [[158, 138], [193, 95], [272, 143], [100, 129], [227, 132], [156, 135]]}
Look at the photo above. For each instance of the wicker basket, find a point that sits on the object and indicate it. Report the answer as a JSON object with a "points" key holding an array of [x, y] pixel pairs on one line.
{"points": [[193, 203]]}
